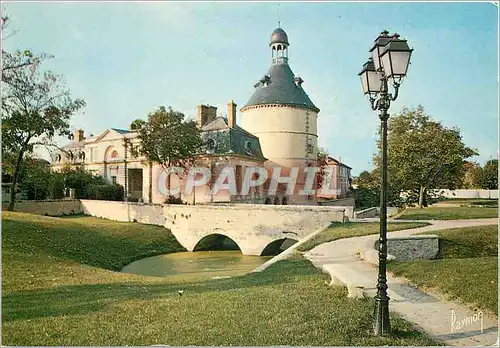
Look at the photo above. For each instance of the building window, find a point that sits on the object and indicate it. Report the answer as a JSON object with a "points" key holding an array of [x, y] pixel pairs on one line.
{"points": [[309, 149], [93, 154], [248, 148], [114, 154], [113, 180]]}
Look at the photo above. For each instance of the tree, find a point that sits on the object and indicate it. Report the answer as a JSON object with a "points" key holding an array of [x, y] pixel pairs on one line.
{"points": [[490, 175], [80, 180], [36, 179], [473, 176], [423, 154], [137, 124], [169, 140], [24, 59], [36, 106], [367, 180]]}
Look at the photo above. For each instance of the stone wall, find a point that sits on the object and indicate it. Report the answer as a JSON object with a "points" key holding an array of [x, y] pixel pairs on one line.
{"points": [[251, 226], [414, 247], [366, 213], [49, 207], [374, 212], [344, 202], [484, 194]]}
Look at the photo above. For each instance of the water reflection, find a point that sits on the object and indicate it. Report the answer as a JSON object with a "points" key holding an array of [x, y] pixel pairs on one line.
{"points": [[197, 265]]}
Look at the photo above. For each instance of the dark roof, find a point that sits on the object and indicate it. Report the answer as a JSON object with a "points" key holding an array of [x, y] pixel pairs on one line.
{"points": [[279, 87], [230, 141], [279, 36]]}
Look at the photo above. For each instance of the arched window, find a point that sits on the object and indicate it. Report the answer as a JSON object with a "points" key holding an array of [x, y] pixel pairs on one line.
{"points": [[276, 201], [284, 201], [82, 156], [70, 156], [267, 201]]}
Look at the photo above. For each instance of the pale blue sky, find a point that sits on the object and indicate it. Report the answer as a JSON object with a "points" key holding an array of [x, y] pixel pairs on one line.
{"points": [[126, 59]]}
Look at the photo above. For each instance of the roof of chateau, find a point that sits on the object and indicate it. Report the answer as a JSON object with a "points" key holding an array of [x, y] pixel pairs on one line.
{"points": [[220, 139], [280, 86]]}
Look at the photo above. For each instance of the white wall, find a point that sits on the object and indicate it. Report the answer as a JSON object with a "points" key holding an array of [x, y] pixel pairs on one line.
{"points": [[487, 194]]}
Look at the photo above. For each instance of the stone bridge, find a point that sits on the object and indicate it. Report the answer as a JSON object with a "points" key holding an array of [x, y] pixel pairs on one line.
{"points": [[252, 227]]}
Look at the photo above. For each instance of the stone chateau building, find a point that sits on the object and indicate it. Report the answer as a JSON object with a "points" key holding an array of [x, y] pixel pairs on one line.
{"points": [[278, 129]]}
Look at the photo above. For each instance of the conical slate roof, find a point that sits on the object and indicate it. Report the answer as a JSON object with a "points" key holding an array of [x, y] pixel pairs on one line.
{"points": [[280, 86]]}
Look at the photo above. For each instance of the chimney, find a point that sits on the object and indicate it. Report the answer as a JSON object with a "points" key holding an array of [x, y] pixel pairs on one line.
{"points": [[206, 113], [78, 135], [231, 114], [211, 113]]}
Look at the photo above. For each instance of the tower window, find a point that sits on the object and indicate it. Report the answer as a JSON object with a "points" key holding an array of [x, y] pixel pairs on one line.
{"points": [[309, 149]]}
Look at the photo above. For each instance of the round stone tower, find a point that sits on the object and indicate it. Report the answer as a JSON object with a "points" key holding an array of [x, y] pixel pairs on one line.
{"points": [[284, 118]]}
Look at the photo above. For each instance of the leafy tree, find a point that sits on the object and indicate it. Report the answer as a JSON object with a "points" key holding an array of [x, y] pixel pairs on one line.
{"points": [[367, 180], [36, 179], [423, 154], [137, 124], [490, 175], [169, 140], [367, 192], [473, 176], [57, 185], [36, 106]]}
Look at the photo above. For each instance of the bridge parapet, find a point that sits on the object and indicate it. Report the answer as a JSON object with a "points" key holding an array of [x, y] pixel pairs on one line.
{"points": [[251, 226]]}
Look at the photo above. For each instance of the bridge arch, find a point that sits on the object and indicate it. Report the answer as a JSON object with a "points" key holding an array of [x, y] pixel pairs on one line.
{"points": [[277, 246], [216, 241]]}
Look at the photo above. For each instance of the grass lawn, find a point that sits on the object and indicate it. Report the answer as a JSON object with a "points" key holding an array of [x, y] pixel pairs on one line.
{"points": [[472, 201], [59, 288], [355, 229], [448, 213], [467, 268]]}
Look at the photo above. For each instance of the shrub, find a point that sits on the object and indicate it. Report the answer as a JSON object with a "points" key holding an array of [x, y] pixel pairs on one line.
{"points": [[366, 198], [106, 192], [174, 200]]}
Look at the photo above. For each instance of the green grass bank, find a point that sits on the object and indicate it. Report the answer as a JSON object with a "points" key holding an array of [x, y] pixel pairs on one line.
{"points": [[60, 288], [448, 213], [466, 269], [340, 230]]}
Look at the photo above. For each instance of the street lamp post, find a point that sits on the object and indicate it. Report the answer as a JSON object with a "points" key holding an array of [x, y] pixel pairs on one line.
{"points": [[389, 61]]}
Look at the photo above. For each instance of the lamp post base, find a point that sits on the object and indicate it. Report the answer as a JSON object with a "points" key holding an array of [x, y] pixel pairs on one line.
{"points": [[381, 324]]}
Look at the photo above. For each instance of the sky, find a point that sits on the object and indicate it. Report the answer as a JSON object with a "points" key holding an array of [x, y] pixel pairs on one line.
{"points": [[127, 59]]}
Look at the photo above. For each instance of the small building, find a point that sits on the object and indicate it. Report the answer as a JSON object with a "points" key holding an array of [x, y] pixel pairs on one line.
{"points": [[340, 182]]}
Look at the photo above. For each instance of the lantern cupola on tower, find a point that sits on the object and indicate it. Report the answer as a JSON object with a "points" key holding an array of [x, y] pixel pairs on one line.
{"points": [[279, 46]]}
